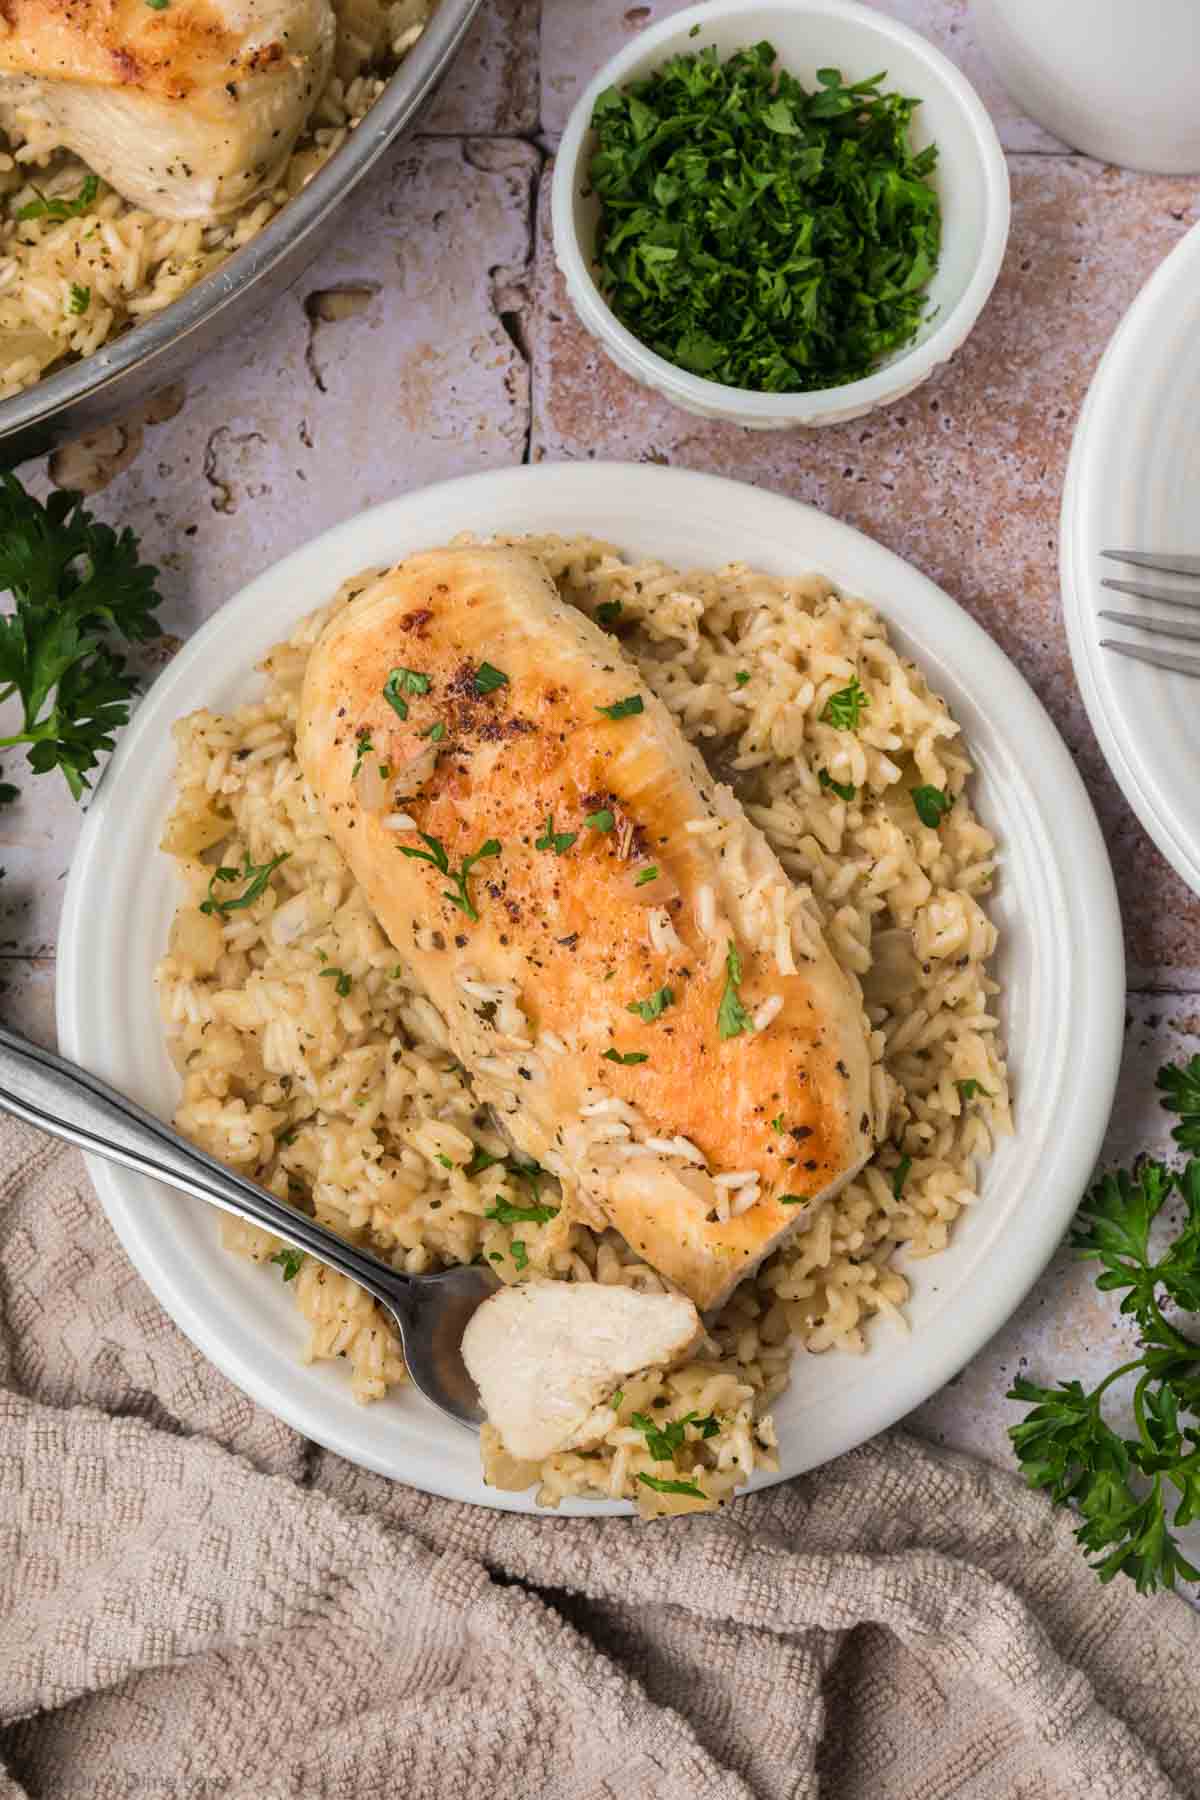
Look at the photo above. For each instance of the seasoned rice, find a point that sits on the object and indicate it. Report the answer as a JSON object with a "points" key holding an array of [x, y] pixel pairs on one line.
{"points": [[126, 261], [310, 1062]]}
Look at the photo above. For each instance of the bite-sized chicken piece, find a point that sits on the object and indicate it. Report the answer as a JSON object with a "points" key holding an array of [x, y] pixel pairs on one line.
{"points": [[188, 108], [546, 1356], [623, 965]]}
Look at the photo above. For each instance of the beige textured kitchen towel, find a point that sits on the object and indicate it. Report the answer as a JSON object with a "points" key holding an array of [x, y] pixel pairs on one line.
{"points": [[194, 1602]]}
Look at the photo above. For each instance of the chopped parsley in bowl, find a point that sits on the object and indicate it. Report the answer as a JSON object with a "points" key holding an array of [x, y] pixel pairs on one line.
{"points": [[758, 224], [757, 233]]}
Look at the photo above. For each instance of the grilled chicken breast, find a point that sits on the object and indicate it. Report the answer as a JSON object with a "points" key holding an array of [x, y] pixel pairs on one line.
{"points": [[547, 1355], [187, 108], [623, 966]]}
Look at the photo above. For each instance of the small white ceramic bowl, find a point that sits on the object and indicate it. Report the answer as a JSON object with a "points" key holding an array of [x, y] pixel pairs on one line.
{"points": [[971, 179]]}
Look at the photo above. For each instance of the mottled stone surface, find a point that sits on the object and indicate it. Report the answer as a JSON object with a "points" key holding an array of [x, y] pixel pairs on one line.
{"points": [[964, 477], [432, 338]]}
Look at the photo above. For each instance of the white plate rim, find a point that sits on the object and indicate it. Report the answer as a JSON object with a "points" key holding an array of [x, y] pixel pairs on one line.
{"points": [[1077, 941], [1097, 441]]}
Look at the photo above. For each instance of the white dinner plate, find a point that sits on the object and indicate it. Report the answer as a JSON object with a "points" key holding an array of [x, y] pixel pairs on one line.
{"points": [[1061, 960], [1133, 483]]}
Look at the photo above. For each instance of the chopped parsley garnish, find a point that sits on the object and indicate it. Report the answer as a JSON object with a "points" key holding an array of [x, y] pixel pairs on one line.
{"points": [[654, 1007], [792, 1200], [558, 841], [344, 983], [444, 1160], [614, 1400], [506, 1212], [435, 733], [482, 1161], [777, 1124], [742, 677], [732, 1016], [158, 5], [663, 1441], [759, 234], [363, 748], [460, 895], [845, 708], [967, 1090], [843, 789], [901, 1176], [58, 208], [80, 299], [608, 612], [624, 709], [519, 1254], [626, 1058], [932, 805], [600, 821], [488, 679], [289, 1261], [673, 1487], [400, 682], [256, 874], [650, 874]]}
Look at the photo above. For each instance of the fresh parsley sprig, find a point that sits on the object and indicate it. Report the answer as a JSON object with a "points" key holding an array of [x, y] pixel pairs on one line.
{"points": [[435, 853], [256, 876], [1131, 1491], [79, 588], [732, 1017]]}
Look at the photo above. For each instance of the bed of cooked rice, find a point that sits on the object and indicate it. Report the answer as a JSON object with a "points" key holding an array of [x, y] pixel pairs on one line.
{"points": [[310, 1061], [69, 285]]}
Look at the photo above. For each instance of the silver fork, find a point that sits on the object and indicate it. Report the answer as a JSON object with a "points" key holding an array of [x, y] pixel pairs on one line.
{"points": [[431, 1311], [1167, 596]]}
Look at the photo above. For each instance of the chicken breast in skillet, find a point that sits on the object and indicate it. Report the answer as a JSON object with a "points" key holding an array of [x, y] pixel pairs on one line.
{"points": [[625, 970], [187, 108]]}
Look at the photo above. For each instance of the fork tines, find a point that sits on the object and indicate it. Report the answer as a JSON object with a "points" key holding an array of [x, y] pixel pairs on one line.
{"points": [[1169, 563]]}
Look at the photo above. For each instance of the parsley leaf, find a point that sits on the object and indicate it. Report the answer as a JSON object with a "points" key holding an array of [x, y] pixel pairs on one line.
{"points": [[759, 234], [932, 805], [558, 841], [732, 1016], [1180, 1087], [344, 983], [845, 708], [791, 1200], [844, 790], [624, 709], [650, 874], [488, 679], [673, 1487], [78, 588], [1129, 1491], [628, 1058], [435, 733], [80, 299], [900, 1176], [742, 677], [257, 874], [290, 1261], [520, 1255], [400, 682], [654, 1007], [967, 1090], [600, 821], [363, 748], [508, 1213], [663, 1441], [58, 208], [435, 853], [778, 1125]]}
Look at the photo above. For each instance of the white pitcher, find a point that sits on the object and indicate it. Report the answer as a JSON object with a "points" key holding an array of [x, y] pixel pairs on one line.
{"points": [[1119, 79]]}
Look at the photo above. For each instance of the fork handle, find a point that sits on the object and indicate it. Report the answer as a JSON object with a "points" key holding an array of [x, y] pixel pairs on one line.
{"points": [[59, 1098]]}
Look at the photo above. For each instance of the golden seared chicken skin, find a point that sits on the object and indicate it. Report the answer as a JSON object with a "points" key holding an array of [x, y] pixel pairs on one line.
{"points": [[625, 970], [188, 108]]}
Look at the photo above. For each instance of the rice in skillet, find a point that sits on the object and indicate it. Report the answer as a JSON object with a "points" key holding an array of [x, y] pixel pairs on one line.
{"points": [[69, 284], [309, 1062]]}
